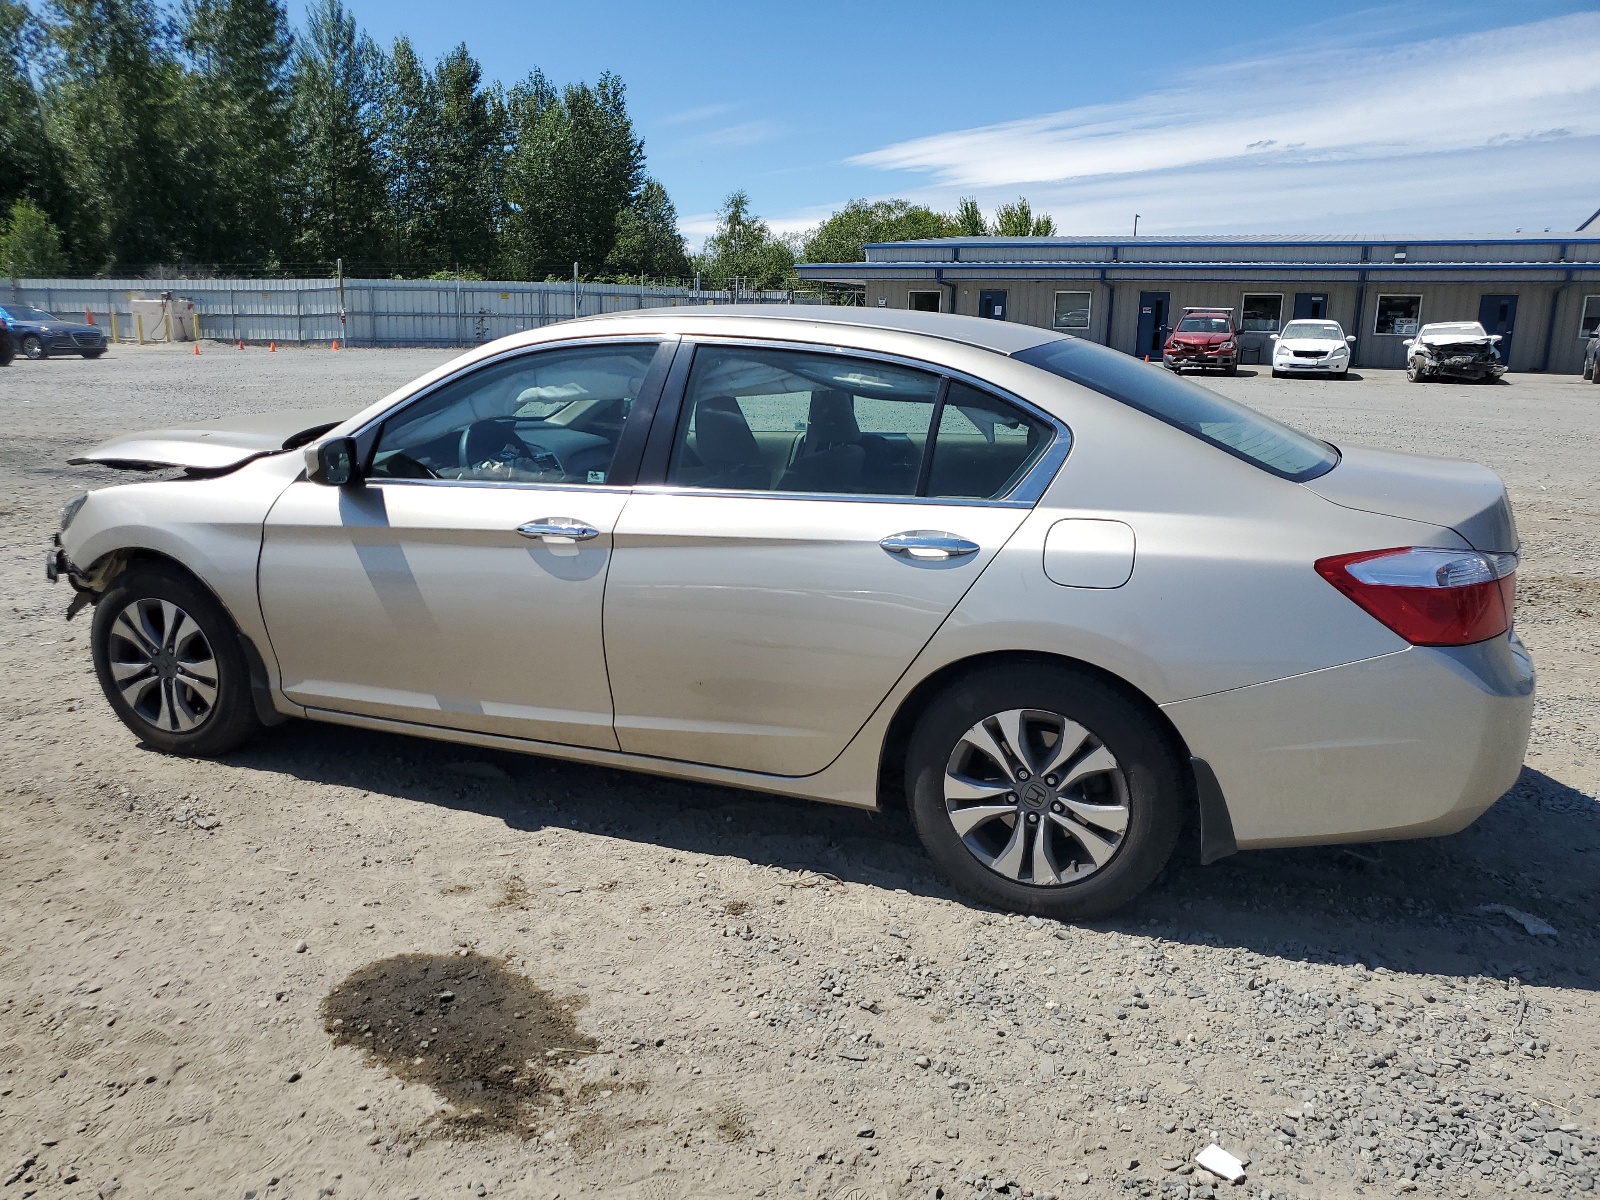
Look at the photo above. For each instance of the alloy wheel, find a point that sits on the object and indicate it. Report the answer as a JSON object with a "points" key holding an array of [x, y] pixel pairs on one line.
{"points": [[1036, 798], [163, 665]]}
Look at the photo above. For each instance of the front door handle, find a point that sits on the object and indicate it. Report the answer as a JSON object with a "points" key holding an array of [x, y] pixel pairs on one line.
{"points": [[560, 530], [929, 545]]}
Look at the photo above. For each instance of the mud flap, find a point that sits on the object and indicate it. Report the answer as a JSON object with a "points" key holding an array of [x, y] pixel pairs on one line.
{"points": [[1216, 826]]}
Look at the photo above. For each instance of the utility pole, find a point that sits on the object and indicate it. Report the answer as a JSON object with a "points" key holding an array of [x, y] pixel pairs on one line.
{"points": [[575, 313], [1135, 224]]}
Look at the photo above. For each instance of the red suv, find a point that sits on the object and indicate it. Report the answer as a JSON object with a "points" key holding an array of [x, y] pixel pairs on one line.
{"points": [[1205, 337]]}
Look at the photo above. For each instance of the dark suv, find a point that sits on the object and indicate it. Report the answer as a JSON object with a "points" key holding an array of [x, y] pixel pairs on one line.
{"points": [[1204, 337]]}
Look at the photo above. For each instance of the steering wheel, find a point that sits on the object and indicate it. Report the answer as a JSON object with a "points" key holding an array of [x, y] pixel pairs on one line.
{"points": [[490, 440]]}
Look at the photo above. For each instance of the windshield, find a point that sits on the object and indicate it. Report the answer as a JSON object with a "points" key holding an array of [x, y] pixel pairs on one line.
{"points": [[1240, 431], [21, 312], [1203, 325], [1470, 329], [1322, 331]]}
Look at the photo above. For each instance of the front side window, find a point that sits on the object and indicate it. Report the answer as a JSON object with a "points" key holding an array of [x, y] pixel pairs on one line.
{"points": [[1072, 310], [1262, 314], [551, 416], [1590, 321], [1398, 315], [1229, 426], [800, 422]]}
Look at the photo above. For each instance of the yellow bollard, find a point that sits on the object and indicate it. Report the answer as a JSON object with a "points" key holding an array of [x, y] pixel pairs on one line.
{"points": [[194, 325], [113, 325], [166, 320], [139, 320]]}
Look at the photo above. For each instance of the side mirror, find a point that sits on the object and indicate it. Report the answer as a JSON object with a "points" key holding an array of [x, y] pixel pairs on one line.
{"points": [[1272, 337], [1408, 343], [1351, 338], [334, 463], [1495, 338]]}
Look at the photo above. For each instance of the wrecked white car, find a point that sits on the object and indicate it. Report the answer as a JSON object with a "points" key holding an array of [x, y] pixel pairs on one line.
{"points": [[1461, 350]]}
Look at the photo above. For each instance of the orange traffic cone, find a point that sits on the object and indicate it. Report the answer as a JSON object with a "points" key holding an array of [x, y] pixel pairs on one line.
{"points": [[272, 347], [197, 349], [88, 317], [335, 343], [241, 343]]}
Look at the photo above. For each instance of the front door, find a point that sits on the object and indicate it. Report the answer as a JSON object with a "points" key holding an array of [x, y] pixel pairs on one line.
{"points": [[1310, 306], [799, 550], [1498, 314], [1152, 325], [461, 584], [992, 304]]}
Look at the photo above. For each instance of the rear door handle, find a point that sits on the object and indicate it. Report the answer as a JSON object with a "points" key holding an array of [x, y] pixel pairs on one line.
{"points": [[561, 530], [929, 545]]}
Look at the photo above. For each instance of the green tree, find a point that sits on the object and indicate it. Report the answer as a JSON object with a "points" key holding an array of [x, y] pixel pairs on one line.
{"points": [[844, 236], [113, 88], [441, 151], [30, 246], [969, 219], [28, 163], [240, 108], [744, 250], [575, 164], [648, 242], [337, 199], [1017, 220]]}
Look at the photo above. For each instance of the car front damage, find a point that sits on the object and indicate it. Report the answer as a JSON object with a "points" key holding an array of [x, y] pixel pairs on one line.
{"points": [[1470, 359]]}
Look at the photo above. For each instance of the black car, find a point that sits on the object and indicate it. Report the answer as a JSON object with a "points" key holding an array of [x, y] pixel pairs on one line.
{"points": [[6, 351], [37, 334], [1591, 358]]}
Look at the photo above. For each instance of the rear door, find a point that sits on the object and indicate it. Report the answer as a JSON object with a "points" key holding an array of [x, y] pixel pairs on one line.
{"points": [[1152, 335], [794, 543]]}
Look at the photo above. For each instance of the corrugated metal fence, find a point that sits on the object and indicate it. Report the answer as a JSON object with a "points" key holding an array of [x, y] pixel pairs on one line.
{"points": [[374, 312]]}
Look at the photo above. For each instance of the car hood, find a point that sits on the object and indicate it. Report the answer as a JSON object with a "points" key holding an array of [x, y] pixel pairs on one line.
{"points": [[1328, 344], [1463, 496], [1199, 339], [213, 446], [1453, 339]]}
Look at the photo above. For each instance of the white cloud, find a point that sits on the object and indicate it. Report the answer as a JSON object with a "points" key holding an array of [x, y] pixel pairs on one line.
{"points": [[1324, 131]]}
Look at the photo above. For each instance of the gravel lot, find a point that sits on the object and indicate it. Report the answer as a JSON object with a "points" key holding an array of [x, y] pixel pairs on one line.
{"points": [[227, 979]]}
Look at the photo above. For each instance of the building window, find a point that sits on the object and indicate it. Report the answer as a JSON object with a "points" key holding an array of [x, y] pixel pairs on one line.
{"points": [[1591, 317], [1072, 310], [924, 301], [1262, 314], [1399, 315]]}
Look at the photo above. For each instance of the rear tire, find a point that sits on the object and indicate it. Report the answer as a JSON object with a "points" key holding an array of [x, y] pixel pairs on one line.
{"points": [[170, 661], [1073, 833]]}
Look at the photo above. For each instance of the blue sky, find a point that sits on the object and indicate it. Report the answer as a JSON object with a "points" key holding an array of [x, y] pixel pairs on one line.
{"points": [[1203, 116]]}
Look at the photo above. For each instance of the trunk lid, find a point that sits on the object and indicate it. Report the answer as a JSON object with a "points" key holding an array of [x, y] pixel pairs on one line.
{"points": [[1462, 496], [214, 446]]}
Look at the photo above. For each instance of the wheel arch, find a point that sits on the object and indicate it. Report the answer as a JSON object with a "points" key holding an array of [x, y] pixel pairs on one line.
{"points": [[93, 581], [1207, 827]]}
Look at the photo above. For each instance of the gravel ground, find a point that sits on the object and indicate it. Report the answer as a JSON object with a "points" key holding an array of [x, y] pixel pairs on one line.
{"points": [[353, 965]]}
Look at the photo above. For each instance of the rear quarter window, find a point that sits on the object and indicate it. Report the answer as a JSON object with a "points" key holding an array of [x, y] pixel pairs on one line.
{"points": [[1232, 427]]}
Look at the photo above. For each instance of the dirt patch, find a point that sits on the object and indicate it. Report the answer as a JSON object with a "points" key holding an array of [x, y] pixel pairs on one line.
{"points": [[515, 896], [479, 1034], [736, 908], [735, 1122]]}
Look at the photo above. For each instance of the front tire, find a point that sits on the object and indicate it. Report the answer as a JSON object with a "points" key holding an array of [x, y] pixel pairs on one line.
{"points": [[170, 661], [1044, 790], [1413, 374], [33, 347]]}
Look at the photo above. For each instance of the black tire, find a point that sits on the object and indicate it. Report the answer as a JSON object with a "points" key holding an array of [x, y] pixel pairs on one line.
{"points": [[1414, 375], [33, 348], [185, 722], [1149, 782], [1231, 369]]}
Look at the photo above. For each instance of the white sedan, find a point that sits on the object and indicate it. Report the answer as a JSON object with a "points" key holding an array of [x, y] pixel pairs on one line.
{"points": [[1311, 347]]}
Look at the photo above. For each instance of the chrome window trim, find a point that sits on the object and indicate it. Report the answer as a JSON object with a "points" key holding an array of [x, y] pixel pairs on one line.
{"points": [[521, 484], [1026, 493]]}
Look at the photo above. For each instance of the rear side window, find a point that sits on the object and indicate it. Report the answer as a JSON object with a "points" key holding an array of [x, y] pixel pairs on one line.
{"points": [[1242, 432]]}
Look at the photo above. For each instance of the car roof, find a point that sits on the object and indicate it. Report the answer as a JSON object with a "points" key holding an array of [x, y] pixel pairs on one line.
{"points": [[1003, 337]]}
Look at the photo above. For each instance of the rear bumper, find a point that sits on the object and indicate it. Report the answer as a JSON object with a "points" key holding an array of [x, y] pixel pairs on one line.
{"points": [[1412, 744]]}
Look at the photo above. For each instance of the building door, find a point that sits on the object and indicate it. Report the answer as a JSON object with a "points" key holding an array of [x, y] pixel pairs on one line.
{"points": [[1498, 314], [1152, 336], [992, 304], [1310, 306]]}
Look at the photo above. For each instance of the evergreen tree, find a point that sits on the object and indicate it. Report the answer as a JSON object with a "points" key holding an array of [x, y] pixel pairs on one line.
{"points": [[28, 164], [112, 93], [337, 199], [575, 164], [744, 251], [648, 242], [240, 51]]}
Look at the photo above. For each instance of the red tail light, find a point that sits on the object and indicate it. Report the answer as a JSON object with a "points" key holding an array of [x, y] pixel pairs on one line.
{"points": [[1430, 596]]}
